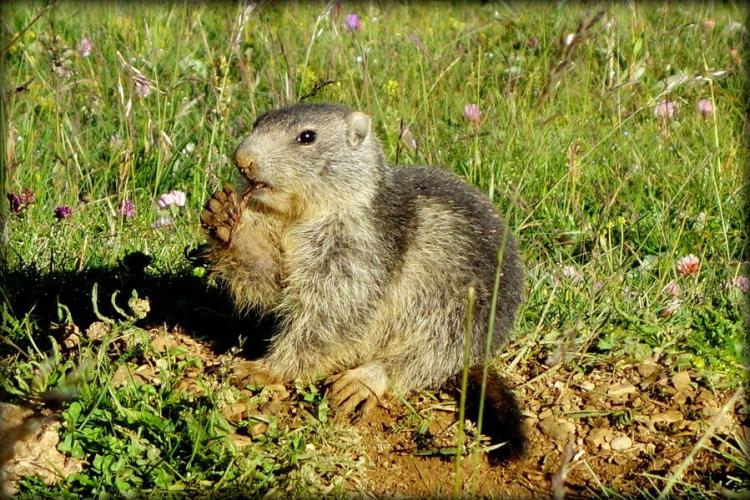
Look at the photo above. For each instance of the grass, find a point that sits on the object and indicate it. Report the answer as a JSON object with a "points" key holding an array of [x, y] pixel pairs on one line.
{"points": [[604, 197]]}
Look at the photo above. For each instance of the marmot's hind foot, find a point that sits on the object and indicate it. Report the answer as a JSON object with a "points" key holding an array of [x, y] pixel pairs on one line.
{"points": [[221, 214], [355, 393]]}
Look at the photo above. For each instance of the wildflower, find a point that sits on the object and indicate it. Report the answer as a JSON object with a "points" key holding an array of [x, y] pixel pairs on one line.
{"points": [[162, 221], [408, 138], [353, 23], [84, 48], [20, 201], [62, 63], [733, 26], [15, 203], [127, 209], [672, 289], [165, 200], [690, 264], [742, 282], [27, 196], [391, 87], [142, 87], [665, 109], [709, 23], [140, 307], [179, 198], [532, 42], [174, 197], [670, 308], [63, 212], [571, 273], [472, 113], [705, 108]]}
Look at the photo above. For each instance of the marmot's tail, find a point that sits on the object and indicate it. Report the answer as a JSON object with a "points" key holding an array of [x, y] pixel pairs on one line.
{"points": [[502, 420]]}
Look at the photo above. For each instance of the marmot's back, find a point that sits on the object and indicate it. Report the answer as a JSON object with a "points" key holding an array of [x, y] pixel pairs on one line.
{"points": [[452, 232]]}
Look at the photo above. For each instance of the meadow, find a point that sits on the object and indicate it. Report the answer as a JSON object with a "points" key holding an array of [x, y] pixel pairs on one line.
{"points": [[611, 136]]}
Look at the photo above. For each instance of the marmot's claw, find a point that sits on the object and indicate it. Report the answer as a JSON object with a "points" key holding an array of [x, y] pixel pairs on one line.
{"points": [[221, 214], [350, 397]]}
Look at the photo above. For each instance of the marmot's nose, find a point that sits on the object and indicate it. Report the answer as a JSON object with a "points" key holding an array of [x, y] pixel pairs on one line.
{"points": [[244, 160]]}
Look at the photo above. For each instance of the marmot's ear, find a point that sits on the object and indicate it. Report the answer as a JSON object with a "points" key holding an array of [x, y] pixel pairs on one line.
{"points": [[358, 126]]}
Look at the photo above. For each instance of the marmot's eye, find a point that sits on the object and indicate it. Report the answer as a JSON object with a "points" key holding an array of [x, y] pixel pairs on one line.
{"points": [[306, 137]]}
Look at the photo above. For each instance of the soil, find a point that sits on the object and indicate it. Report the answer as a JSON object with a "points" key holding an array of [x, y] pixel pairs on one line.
{"points": [[623, 426]]}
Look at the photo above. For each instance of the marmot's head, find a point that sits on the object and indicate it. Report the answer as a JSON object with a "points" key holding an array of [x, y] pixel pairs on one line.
{"points": [[310, 154]]}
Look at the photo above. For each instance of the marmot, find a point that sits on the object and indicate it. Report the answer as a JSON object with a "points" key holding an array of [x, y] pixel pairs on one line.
{"points": [[367, 266]]}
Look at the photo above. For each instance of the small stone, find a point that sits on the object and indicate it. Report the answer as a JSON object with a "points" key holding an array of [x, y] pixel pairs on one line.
{"points": [[234, 412], [71, 336], [258, 429], [557, 429], [160, 343], [620, 389], [706, 397], [145, 374], [597, 437], [647, 369], [660, 464], [621, 443], [667, 417], [681, 382], [696, 426], [587, 386], [679, 399], [240, 440], [272, 407], [709, 410], [120, 377], [30, 447], [188, 384]]}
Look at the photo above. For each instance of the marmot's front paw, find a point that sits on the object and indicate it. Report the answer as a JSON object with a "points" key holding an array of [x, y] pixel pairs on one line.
{"points": [[221, 214]]}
